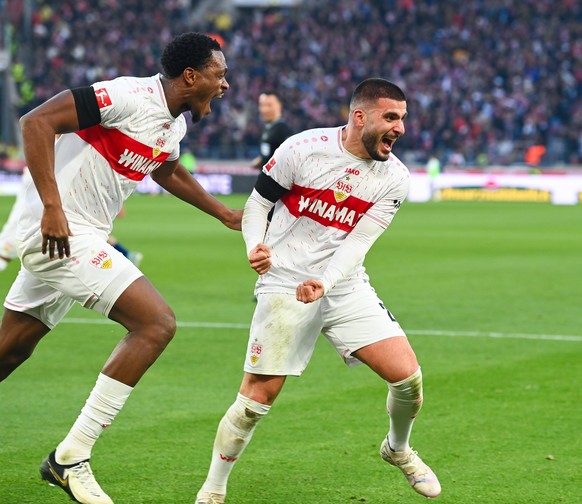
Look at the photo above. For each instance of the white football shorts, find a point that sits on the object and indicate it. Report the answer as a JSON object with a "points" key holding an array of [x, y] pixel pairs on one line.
{"points": [[284, 331], [95, 275]]}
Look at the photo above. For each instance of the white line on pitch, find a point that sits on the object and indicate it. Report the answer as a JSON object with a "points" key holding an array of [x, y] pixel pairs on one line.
{"points": [[477, 334], [424, 332]]}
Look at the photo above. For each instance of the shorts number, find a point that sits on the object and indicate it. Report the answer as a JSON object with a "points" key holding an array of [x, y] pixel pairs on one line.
{"points": [[388, 312]]}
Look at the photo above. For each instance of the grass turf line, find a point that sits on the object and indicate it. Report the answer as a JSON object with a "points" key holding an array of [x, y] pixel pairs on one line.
{"points": [[495, 409]]}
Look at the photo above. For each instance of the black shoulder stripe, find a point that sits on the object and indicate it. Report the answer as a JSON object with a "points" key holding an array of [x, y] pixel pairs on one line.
{"points": [[268, 188], [88, 112]]}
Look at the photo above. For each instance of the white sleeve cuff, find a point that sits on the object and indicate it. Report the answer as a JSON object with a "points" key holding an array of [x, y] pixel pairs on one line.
{"points": [[254, 220]]}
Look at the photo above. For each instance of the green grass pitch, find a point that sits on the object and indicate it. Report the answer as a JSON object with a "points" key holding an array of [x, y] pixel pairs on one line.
{"points": [[490, 294]]}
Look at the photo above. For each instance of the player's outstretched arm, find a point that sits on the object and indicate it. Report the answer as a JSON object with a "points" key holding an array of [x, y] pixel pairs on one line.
{"points": [[309, 291], [175, 179]]}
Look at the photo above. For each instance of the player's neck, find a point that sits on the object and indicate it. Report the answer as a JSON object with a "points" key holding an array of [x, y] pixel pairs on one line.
{"points": [[170, 93], [353, 145]]}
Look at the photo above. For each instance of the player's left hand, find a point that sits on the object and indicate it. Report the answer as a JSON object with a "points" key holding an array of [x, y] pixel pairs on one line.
{"points": [[309, 291], [233, 220]]}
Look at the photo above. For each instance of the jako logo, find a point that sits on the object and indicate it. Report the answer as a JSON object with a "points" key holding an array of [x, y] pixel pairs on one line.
{"points": [[353, 171]]}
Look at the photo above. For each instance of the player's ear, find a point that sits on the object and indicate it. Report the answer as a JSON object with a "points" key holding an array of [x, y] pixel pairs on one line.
{"points": [[359, 118], [190, 76]]}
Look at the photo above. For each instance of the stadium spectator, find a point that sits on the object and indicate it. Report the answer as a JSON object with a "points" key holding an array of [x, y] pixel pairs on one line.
{"points": [[114, 133], [312, 278], [275, 129], [484, 79]]}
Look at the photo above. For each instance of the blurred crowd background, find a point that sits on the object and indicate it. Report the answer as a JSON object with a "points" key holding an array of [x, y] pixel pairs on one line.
{"points": [[488, 82]]}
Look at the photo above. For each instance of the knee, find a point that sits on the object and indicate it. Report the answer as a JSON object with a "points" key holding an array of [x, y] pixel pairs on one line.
{"points": [[13, 355], [245, 413], [407, 391], [260, 395], [157, 330], [165, 327], [262, 389], [412, 384]]}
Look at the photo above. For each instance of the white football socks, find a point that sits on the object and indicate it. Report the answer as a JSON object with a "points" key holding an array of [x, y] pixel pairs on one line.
{"points": [[234, 433], [403, 404], [105, 401]]}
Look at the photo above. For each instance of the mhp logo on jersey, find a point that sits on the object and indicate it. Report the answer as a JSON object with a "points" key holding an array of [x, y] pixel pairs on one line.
{"points": [[103, 98]]}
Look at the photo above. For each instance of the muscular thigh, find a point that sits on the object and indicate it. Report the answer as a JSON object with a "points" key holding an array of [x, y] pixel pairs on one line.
{"points": [[282, 336], [357, 320], [141, 305], [94, 275]]}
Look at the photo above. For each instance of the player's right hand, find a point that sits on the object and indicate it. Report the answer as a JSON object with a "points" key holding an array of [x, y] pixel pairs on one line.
{"points": [[260, 258], [55, 233], [309, 291]]}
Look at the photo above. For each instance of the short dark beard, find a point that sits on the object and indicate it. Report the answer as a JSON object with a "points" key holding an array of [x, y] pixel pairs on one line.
{"points": [[369, 142]]}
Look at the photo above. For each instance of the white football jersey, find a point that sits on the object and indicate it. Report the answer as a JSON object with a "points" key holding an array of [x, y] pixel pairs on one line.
{"points": [[329, 191], [97, 168]]}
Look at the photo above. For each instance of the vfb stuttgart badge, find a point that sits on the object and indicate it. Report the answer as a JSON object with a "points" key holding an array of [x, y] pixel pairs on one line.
{"points": [[256, 351], [102, 260], [342, 189], [160, 142]]}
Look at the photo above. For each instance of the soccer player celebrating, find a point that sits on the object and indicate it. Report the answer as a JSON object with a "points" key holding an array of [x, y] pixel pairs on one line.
{"points": [[334, 192], [113, 134]]}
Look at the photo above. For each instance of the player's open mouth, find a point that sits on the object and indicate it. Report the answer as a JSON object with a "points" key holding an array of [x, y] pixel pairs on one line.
{"points": [[219, 96], [387, 143]]}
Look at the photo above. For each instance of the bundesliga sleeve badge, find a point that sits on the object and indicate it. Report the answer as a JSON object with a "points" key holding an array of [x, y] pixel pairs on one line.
{"points": [[103, 98]]}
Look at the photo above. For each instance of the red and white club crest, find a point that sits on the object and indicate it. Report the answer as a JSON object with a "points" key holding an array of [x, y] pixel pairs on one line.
{"points": [[102, 260], [256, 351], [160, 142]]}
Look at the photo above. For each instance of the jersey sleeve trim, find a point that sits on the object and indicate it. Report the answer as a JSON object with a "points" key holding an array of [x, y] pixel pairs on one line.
{"points": [[88, 113], [269, 188], [378, 220]]}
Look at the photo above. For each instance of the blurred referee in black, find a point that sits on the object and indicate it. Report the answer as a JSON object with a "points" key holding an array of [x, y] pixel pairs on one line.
{"points": [[275, 130]]}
